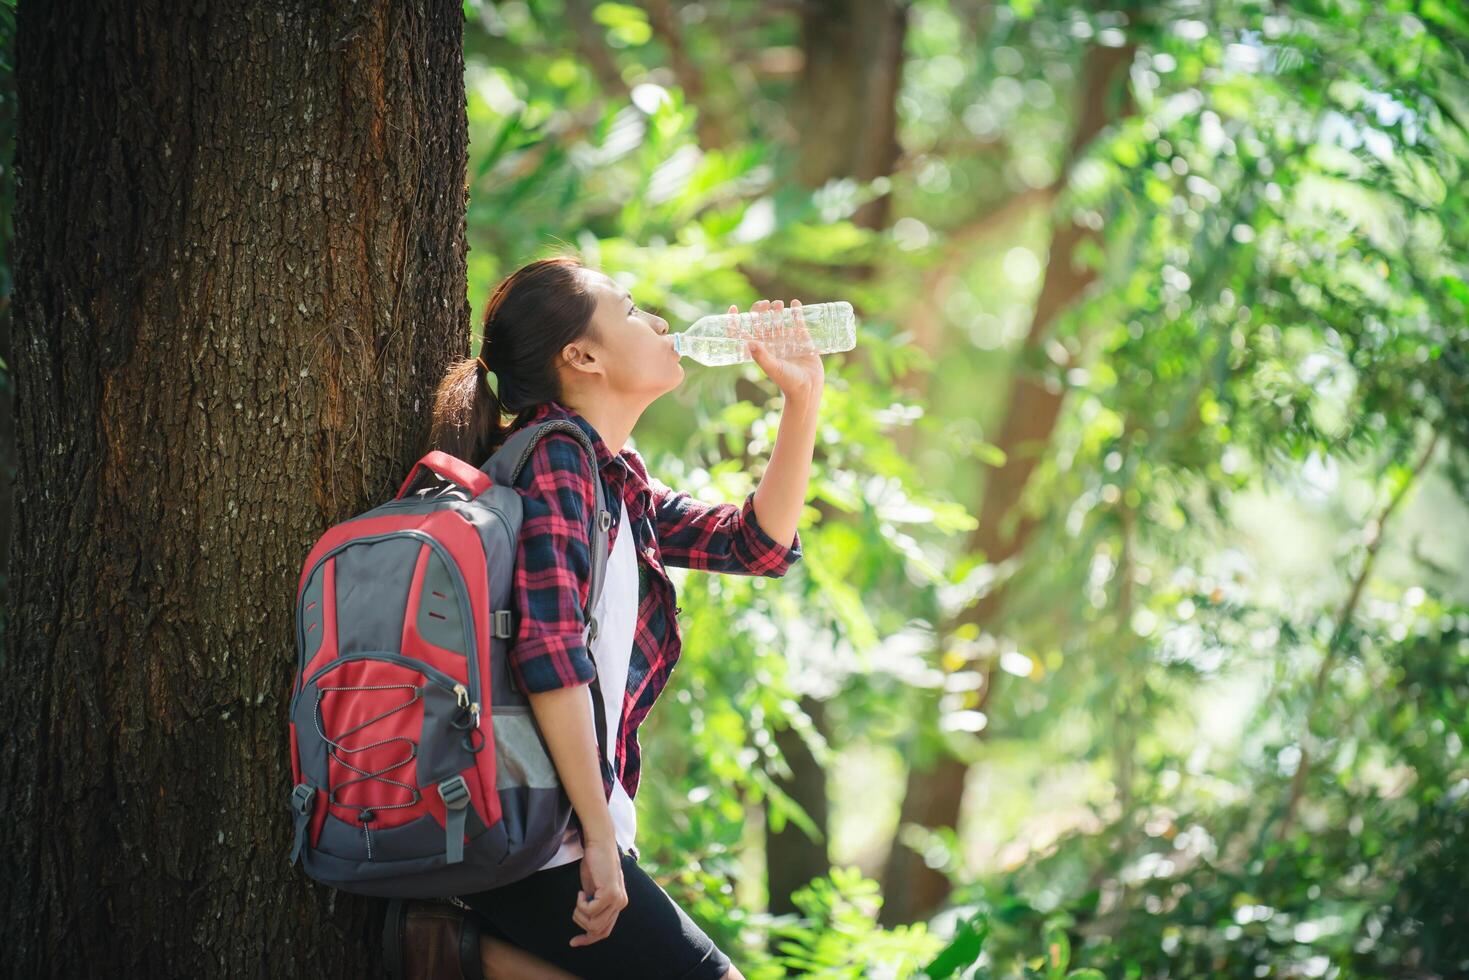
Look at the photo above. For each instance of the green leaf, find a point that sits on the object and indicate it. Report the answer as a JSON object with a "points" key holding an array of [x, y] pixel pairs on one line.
{"points": [[1058, 951], [498, 143], [627, 25], [963, 950]]}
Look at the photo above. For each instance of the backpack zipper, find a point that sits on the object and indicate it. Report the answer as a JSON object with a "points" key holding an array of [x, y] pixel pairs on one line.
{"points": [[504, 521], [426, 669], [462, 593]]}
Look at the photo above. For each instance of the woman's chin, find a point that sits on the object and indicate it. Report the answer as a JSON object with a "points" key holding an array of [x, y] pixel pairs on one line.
{"points": [[671, 384]]}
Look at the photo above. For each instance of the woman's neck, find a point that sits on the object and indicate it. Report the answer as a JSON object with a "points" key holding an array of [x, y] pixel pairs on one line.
{"points": [[612, 420]]}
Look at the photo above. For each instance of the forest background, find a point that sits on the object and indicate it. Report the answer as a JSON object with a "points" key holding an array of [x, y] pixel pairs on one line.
{"points": [[1132, 629]]}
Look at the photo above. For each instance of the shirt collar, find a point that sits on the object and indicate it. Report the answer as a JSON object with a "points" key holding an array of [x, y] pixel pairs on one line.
{"points": [[627, 465], [556, 410]]}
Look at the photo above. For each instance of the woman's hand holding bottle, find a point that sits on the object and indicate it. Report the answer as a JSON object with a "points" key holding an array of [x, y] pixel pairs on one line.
{"points": [[798, 373]]}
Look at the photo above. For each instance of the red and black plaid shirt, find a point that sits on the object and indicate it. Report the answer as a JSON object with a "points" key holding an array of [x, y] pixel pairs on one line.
{"points": [[553, 569]]}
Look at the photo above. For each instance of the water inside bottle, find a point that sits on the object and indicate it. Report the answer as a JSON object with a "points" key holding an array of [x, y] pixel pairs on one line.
{"points": [[720, 338]]}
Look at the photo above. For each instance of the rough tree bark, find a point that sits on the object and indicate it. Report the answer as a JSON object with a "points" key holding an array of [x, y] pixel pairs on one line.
{"points": [[240, 268], [7, 264], [934, 795], [845, 109]]}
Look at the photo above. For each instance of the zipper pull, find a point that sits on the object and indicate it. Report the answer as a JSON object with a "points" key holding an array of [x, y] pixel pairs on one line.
{"points": [[462, 695], [367, 816]]}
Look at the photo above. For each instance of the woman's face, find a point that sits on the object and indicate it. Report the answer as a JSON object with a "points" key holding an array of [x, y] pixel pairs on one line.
{"points": [[635, 350]]}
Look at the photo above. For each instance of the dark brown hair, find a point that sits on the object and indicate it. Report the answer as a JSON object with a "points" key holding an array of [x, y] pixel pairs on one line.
{"points": [[530, 316]]}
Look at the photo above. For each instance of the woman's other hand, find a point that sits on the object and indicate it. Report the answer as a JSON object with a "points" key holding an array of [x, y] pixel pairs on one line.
{"points": [[797, 374], [601, 878]]}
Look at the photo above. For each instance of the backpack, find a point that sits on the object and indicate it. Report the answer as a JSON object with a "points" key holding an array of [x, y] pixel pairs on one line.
{"points": [[418, 768]]}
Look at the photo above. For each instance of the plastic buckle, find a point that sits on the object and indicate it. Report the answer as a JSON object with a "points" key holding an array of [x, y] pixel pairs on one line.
{"points": [[604, 519], [503, 623], [455, 793], [592, 627], [302, 799]]}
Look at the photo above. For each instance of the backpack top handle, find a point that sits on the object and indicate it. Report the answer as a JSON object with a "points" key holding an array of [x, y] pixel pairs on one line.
{"points": [[451, 468]]}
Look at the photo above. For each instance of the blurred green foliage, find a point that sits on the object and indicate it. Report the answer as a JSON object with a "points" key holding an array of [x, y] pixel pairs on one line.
{"points": [[1236, 659]]}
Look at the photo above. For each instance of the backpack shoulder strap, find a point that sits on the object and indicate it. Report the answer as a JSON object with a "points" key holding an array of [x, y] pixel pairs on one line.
{"points": [[505, 466], [509, 460]]}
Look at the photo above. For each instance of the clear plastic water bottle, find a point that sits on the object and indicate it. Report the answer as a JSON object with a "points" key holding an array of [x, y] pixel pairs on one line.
{"points": [[719, 338]]}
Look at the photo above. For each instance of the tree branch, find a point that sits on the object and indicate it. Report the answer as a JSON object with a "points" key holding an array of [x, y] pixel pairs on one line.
{"points": [[665, 26], [591, 43], [1339, 630]]}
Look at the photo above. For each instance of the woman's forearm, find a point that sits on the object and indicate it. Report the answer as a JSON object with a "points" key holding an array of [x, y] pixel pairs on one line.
{"points": [[567, 726], [782, 490]]}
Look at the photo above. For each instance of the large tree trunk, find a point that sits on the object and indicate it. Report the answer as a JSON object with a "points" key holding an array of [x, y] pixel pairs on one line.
{"points": [[791, 858], [7, 259], [845, 108], [240, 269], [933, 796]]}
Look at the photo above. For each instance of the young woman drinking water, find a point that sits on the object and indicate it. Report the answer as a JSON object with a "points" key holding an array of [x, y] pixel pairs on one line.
{"points": [[567, 341]]}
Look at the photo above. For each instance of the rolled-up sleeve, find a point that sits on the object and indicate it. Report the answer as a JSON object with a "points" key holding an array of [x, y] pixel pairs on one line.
{"points": [[553, 568], [722, 537]]}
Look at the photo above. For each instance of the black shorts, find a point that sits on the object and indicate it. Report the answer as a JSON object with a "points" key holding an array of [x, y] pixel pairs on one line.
{"points": [[652, 937]]}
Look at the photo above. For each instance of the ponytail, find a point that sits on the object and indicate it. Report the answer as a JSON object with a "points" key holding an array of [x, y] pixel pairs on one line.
{"points": [[530, 316], [468, 419]]}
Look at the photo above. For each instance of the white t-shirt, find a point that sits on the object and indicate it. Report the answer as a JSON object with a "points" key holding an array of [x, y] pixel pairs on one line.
{"points": [[617, 614]]}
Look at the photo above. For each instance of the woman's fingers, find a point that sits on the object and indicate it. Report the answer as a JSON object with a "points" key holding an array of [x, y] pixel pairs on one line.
{"points": [[605, 898], [767, 323], [803, 336], [761, 309], [591, 937], [594, 921], [591, 914], [583, 913], [597, 915], [596, 929]]}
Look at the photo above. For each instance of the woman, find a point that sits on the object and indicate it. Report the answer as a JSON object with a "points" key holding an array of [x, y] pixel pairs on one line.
{"points": [[567, 341]]}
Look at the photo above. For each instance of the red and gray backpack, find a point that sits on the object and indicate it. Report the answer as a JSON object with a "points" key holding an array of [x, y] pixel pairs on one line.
{"points": [[418, 768]]}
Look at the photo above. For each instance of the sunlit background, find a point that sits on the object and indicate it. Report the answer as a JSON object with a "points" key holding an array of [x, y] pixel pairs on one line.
{"points": [[1130, 632]]}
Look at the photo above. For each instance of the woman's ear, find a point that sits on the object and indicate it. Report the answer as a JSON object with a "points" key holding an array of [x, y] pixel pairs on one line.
{"points": [[580, 357]]}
